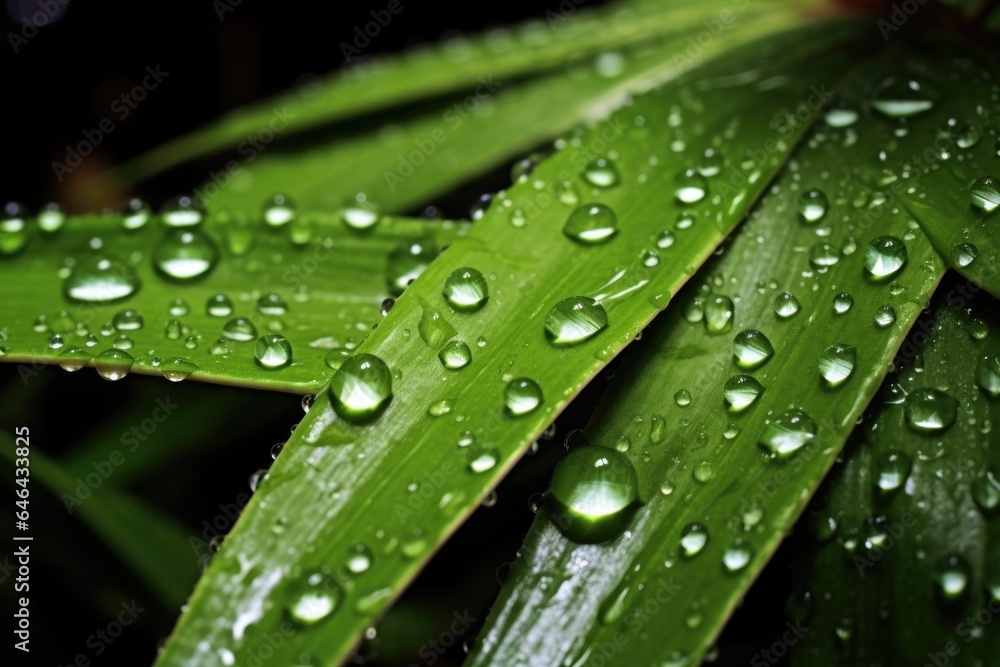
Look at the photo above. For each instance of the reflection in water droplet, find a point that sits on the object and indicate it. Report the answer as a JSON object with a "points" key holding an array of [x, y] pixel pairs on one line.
{"points": [[891, 470], [466, 289], [694, 537], [455, 355], [601, 173], [690, 187], [786, 305], [787, 434], [522, 395], [836, 364], [574, 320], [184, 254], [930, 410], [113, 364], [813, 206], [591, 224], [279, 210], [751, 349], [593, 488], [964, 254], [273, 351], [100, 279], [952, 574], [985, 194], [885, 316], [899, 97], [884, 257], [360, 387], [313, 597], [239, 329], [741, 391]]}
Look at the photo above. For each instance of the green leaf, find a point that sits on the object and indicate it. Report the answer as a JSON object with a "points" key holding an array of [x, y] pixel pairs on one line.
{"points": [[399, 485], [903, 504], [952, 175], [403, 166], [151, 544], [330, 277], [706, 467], [457, 64]]}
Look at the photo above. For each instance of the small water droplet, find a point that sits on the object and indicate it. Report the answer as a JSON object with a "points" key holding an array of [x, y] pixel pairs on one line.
{"points": [[986, 491], [737, 556], [127, 320], [184, 254], [718, 314], [239, 329], [272, 304], [455, 355], [690, 186], [313, 597], [182, 211], [694, 537], [786, 305], [100, 279], [136, 214], [813, 205], [219, 305], [964, 254], [899, 97], [885, 316], [988, 376], [985, 194], [279, 210], [952, 574], [51, 218], [113, 364], [601, 173], [682, 398], [891, 470]]}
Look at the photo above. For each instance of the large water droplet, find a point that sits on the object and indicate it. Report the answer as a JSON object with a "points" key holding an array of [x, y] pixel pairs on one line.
{"points": [[113, 364], [127, 320], [592, 490], [51, 218], [836, 364], [239, 329], [741, 391], [455, 355], [184, 254], [101, 279], [885, 316], [751, 349], [136, 214], [813, 206], [737, 556], [522, 395], [575, 320], [930, 410], [360, 387], [313, 597], [988, 375], [591, 224], [787, 434], [884, 257], [219, 305], [986, 491], [985, 194], [466, 289], [272, 304], [273, 351], [964, 254]]}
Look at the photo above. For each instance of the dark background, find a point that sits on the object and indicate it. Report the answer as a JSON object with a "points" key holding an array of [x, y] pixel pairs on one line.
{"points": [[62, 82]]}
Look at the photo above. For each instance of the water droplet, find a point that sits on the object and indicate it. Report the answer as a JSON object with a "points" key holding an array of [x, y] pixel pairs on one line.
{"points": [[593, 488], [360, 387], [279, 210], [123, 342], [682, 398], [737, 556], [601, 173], [313, 597], [986, 491], [439, 408], [898, 97], [751, 349], [813, 206], [273, 351], [841, 116], [113, 364], [51, 218], [386, 306], [239, 329], [466, 289], [178, 308], [885, 316], [591, 224], [822, 255], [741, 391], [930, 410], [694, 537], [710, 163], [219, 305], [787, 434], [482, 461], [178, 369], [574, 320], [101, 279], [361, 216], [703, 472], [665, 239], [127, 320], [836, 364], [988, 375], [718, 314], [985, 194], [690, 186], [272, 304], [182, 211], [521, 396], [359, 559], [184, 254], [786, 305], [952, 574], [136, 214], [964, 254], [891, 470], [455, 355], [73, 359], [884, 257]]}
